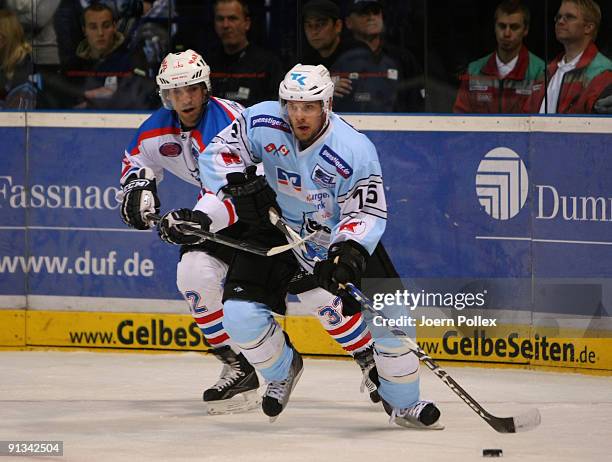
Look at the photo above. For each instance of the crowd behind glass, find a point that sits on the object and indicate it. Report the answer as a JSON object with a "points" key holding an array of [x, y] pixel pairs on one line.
{"points": [[403, 56]]}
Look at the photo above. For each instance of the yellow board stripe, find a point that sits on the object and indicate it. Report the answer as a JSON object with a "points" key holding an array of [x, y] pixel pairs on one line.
{"points": [[519, 345], [12, 327]]}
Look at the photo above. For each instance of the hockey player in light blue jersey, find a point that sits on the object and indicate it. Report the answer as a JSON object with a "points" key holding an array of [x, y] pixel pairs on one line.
{"points": [[171, 140], [322, 175]]}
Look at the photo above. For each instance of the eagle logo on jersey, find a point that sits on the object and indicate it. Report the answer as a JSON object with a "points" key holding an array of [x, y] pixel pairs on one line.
{"points": [[356, 227]]}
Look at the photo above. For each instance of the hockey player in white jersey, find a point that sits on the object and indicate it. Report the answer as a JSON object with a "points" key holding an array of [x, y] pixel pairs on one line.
{"points": [[172, 139], [321, 175]]}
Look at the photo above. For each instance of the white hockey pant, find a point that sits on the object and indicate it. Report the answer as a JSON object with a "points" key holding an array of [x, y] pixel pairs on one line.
{"points": [[199, 278]]}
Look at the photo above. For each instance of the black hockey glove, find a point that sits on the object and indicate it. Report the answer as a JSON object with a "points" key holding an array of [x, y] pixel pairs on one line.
{"points": [[252, 196], [346, 262], [173, 226], [139, 198]]}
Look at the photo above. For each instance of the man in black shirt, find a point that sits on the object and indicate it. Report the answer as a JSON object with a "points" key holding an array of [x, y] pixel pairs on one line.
{"points": [[323, 30], [243, 72], [384, 78]]}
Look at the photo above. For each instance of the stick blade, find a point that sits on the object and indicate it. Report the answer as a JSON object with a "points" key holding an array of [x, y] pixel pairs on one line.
{"points": [[527, 421], [520, 423], [290, 246]]}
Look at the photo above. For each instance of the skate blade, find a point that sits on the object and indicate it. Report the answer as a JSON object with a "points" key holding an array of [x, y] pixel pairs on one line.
{"points": [[242, 402], [297, 377], [416, 425]]}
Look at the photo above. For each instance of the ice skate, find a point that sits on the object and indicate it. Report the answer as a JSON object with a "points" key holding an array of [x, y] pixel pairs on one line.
{"points": [[277, 394], [236, 389], [365, 360], [423, 415]]}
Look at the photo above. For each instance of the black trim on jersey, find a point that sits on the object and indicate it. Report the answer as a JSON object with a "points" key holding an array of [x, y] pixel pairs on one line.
{"points": [[372, 179], [243, 136], [356, 213]]}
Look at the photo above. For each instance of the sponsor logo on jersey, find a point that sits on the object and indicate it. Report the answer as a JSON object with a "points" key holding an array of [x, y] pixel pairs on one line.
{"points": [[317, 196], [170, 149], [271, 122], [321, 199], [229, 158], [273, 149], [311, 225], [287, 178], [353, 227], [322, 177], [329, 156]]}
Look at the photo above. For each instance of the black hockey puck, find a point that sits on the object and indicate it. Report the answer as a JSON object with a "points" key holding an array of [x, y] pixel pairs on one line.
{"points": [[492, 453]]}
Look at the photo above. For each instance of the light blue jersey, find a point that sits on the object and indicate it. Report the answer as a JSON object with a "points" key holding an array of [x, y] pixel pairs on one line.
{"points": [[335, 185]]}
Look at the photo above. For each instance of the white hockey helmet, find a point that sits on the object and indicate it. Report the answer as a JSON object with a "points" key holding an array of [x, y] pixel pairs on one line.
{"points": [[307, 83], [181, 70]]}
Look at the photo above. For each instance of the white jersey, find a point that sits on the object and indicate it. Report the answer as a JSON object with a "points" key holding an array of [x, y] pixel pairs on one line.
{"points": [[160, 145], [334, 186]]}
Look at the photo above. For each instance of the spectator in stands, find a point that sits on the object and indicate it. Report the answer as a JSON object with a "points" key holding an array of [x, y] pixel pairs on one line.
{"points": [[36, 17], [243, 72], [502, 81], [151, 33], [141, 22], [68, 20], [384, 77], [16, 88], [108, 74], [323, 30], [578, 77]]}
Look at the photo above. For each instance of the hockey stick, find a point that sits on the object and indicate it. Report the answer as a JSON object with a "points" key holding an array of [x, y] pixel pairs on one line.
{"points": [[290, 233], [523, 422], [235, 243]]}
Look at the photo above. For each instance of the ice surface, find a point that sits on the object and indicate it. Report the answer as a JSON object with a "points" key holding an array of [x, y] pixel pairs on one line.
{"points": [[147, 407]]}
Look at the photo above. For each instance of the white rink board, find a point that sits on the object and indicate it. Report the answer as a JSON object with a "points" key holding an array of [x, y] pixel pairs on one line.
{"points": [[134, 407], [392, 122]]}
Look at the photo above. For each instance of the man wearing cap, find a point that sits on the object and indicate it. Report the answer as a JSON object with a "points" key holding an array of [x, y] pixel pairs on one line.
{"points": [[384, 78], [323, 30]]}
